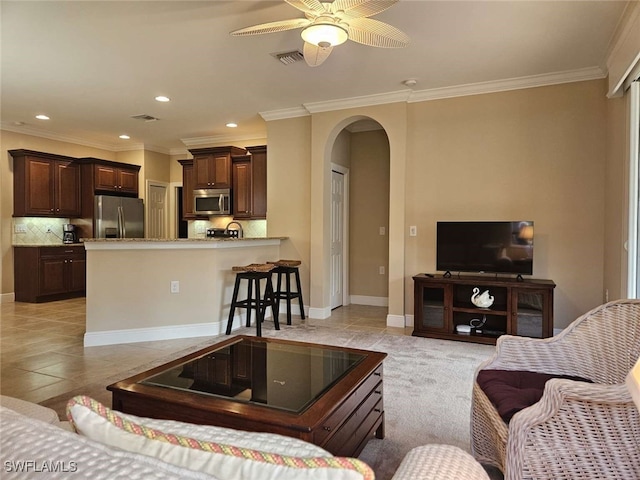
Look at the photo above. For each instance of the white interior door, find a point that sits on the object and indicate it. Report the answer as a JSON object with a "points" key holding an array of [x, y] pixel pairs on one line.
{"points": [[157, 211], [337, 239]]}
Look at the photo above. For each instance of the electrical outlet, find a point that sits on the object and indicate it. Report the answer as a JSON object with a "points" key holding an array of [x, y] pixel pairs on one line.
{"points": [[382, 230], [413, 231], [381, 270], [49, 228], [175, 286], [20, 228]]}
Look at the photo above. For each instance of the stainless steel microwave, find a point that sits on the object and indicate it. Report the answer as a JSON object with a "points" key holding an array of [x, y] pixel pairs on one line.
{"points": [[212, 201]]}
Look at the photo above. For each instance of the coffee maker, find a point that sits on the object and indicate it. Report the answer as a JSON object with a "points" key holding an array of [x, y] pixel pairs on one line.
{"points": [[69, 234]]}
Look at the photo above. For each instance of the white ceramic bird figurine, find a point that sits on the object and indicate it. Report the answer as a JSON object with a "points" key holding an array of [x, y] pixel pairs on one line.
{"points": [[481, 301]]}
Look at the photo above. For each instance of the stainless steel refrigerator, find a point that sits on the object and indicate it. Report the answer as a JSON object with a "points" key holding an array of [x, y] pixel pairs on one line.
{"points": [[119, 217]]}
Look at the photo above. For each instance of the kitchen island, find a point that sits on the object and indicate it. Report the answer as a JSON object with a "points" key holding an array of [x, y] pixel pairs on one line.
{"points": [[156, 289]]}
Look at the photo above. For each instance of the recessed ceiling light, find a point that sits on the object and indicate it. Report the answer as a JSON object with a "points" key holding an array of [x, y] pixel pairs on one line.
{"points": [[42, 117], [125, 137], [232, 125], [162, 98]]}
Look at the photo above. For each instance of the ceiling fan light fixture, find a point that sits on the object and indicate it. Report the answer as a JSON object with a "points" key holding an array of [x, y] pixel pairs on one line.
{"points": [[321, 34]]}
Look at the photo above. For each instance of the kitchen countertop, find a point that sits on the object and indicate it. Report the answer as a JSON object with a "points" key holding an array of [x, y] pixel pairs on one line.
{"points": [[177, 243], [61, 245]]}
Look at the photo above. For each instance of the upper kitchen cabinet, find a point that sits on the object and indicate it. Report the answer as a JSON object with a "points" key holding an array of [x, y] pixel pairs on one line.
{"points": [[250, 184], [212, 166], [107, 177], [187, 191], [45, 185]]}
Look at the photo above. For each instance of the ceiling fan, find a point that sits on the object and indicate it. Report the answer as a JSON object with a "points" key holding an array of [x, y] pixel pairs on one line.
{"points": [[328, 24]]}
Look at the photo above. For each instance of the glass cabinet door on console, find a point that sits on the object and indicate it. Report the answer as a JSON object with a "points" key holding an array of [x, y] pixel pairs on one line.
{"points": [[531, 307], [432, 312]]}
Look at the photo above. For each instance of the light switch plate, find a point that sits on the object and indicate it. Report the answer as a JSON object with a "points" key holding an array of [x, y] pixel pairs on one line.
{"points": [[413, 231]]}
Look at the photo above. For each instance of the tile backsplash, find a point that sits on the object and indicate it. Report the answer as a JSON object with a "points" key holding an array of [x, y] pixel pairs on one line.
{"points": [[38, 231], [35, 230], [250, 228]]}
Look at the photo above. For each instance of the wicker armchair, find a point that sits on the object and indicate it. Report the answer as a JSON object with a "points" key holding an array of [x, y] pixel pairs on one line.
{"points": [[578, 429]]}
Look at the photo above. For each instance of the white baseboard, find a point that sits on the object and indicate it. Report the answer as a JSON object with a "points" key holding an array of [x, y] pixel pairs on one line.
{"points": [[409, 320], [7, 297], [368, 300], [319, 313], [395, 321], [135, 335]]}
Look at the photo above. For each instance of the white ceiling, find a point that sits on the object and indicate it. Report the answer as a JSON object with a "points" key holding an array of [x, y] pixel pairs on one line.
{"points": [[91, 65]]}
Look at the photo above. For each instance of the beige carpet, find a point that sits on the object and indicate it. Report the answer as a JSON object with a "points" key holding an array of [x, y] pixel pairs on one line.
{"points": [[427, 387]]}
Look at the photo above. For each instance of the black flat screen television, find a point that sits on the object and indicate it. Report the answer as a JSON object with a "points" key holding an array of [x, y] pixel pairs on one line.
{"points": [[496, 247]]}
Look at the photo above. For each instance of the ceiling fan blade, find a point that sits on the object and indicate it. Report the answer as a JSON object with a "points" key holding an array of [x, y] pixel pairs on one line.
{"points": [[315, 55], [272, 27], [314, 7], [376, 34], [361, 8]]}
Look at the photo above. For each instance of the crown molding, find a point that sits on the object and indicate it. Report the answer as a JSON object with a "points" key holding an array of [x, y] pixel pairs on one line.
{"points": [[199, 141], [283, 113], [36, 132], [409, 96], [518, 83], [354, 102]]}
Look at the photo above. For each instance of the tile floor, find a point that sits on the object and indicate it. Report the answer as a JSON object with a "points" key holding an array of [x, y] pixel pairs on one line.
{"points": [[42, 353]]}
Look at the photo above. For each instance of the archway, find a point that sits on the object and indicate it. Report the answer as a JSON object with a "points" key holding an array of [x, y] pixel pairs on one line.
{"points": [[359, 216], [326, 127]]}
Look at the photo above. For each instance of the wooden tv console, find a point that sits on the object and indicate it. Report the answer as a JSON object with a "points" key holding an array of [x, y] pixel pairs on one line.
{"points": [[520, 307]]}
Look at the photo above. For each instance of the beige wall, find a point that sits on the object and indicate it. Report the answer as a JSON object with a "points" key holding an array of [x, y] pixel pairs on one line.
{"points": [[536, 154], [369, 210], [341, 151], [157, 166], [288, 191]]}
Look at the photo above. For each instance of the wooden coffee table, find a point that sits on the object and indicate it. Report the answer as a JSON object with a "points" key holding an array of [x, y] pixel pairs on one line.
{"points": [[329, 396]]}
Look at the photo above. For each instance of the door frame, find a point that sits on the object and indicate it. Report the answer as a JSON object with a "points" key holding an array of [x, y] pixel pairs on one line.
{"points": [[346, 299]]}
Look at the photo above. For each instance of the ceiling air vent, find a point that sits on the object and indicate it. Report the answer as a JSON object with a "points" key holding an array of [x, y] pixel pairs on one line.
{"points": [[289, 57], [145, 117]]}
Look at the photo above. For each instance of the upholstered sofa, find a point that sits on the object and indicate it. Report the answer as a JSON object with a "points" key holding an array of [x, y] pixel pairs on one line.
{"points": [[100, 443]]}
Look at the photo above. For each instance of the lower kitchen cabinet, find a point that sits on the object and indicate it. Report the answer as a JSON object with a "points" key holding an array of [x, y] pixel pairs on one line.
{"points": [[43, 274]]}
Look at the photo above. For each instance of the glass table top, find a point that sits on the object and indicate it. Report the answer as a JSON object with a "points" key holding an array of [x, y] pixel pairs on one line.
{"points": [[254, 370]]}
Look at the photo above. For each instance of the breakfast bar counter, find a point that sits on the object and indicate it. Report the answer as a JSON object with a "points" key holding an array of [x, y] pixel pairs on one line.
{"points": [[155, 289]]}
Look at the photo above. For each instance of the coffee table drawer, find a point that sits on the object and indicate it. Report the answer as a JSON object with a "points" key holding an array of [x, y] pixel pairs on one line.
{"points": [[372, 386], [357, 429]]}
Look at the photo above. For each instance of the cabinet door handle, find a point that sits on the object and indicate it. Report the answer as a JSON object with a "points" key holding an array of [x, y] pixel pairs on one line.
{"points": [[326, 428], [70, 261], [378, 392], [377, 410], [377, 374]]}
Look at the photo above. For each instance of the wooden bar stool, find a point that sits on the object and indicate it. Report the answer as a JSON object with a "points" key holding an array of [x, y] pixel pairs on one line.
{"points": [[286, 268], [253, 273]]}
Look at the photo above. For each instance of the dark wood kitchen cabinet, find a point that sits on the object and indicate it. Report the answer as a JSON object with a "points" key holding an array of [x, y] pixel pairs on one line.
{"points": [[212, 166], [45, 185], [45, 274], [187, 191], [250, 184], [107, 177]]}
